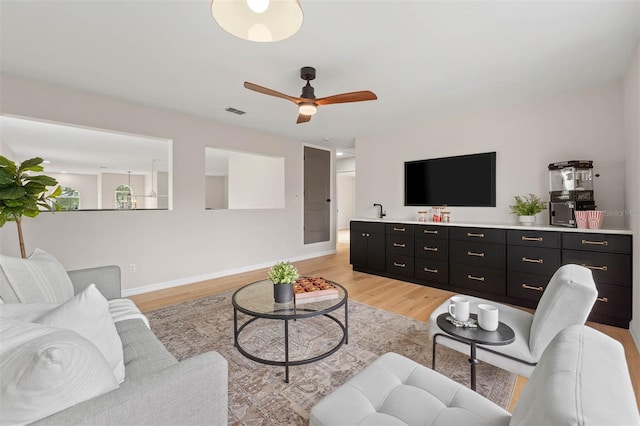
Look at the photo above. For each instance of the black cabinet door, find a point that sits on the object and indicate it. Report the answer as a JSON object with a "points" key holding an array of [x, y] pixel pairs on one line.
{"points": [[544, 261], [375, 252], [358, 251], [606, 268]]}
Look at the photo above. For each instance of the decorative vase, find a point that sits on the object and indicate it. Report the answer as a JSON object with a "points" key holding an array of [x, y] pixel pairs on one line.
{"points": [[527, 220], [283, 293]]}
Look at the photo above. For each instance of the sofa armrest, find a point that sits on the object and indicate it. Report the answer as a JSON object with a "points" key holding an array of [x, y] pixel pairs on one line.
{"points": [[106, 279], [191, 392]]}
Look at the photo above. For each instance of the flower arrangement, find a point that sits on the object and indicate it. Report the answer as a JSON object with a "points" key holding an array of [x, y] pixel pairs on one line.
{"points": [[527, 206], [283, 273]]}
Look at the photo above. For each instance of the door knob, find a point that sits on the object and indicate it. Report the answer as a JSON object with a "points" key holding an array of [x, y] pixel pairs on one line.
{"points": [[328, 200]]}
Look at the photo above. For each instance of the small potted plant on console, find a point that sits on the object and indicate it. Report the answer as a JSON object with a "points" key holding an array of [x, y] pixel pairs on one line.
{"points": [[283, 275], [527, 207]]}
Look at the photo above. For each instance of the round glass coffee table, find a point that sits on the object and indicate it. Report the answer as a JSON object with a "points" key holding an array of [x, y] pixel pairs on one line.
{"points": [[472, 336], [256, 301]]}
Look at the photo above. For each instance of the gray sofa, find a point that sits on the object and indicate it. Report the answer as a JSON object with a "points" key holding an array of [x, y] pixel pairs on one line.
{"points": [[157, 390]]}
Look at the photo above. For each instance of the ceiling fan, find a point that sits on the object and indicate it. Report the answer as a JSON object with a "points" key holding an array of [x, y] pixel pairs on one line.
{"points": [[307, 102]]}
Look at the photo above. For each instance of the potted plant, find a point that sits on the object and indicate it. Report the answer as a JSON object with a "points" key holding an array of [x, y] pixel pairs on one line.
{"points": [[283, 275], [526, 207], [23, 193]]}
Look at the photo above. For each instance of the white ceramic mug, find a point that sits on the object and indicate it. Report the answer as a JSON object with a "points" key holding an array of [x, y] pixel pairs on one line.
{"points": [[487, 317], [459, 308]]}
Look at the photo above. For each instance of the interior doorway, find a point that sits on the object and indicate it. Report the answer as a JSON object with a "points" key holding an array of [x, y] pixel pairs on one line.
{"points": [[317, 195]]}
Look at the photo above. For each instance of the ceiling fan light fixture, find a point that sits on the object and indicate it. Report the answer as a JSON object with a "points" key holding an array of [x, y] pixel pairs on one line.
{"points": [[258, 20], [307, 108]]}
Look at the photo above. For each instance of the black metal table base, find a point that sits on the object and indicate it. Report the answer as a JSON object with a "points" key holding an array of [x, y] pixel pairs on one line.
{"points": [[287, 362]]}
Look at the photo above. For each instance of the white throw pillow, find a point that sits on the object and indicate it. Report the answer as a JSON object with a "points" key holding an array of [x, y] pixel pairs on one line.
{"points": [[87, 314], [45, 370], [40, 278]]}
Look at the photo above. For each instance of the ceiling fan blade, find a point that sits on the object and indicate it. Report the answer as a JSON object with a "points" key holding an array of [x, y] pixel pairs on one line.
{"points": [[364, 95], [303, 118], [270, 92]]}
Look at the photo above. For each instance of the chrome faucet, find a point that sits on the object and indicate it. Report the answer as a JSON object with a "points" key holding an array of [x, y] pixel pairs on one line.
{"points": [[382, 213]]}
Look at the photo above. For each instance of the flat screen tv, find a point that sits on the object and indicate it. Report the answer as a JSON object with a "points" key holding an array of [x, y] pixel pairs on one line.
{"points": [[465, 180]]}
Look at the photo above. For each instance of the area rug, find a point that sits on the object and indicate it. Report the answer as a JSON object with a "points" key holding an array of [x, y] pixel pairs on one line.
{"points": [[258, 394]]}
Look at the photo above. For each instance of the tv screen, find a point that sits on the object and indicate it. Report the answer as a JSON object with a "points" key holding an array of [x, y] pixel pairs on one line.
{"points": [[465, 180]]}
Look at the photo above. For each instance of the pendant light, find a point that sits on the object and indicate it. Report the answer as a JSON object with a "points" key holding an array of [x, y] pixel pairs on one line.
{"points": [[258, 20]]}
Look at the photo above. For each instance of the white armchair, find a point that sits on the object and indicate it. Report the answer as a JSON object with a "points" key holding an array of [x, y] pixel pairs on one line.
{"points": [[567, 300]]}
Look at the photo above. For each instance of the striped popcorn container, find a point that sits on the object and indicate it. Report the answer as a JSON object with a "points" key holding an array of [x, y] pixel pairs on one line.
{"points": [[595, 218], [581, 219]]}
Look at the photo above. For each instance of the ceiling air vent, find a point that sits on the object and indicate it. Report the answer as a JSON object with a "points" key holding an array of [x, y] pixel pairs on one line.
{"points": [[235, 111]]}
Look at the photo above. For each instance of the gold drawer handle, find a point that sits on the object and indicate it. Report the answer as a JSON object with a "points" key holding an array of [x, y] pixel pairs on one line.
{"points": [[526, 259], [399, 245], [471, 277], [471, 234], [529, 287], [531, 238], [603, 299], [596, 268], [433, 271], [427, 231], [430, 248], [473, 253], [595, 243], [401, 265], [399, 229]]}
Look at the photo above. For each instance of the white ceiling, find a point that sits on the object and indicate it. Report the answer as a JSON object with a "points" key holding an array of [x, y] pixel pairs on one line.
{"points": [[422, 58]]}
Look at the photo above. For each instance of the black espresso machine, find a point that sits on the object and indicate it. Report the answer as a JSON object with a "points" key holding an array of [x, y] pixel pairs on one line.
{"points": [[570, 189]]}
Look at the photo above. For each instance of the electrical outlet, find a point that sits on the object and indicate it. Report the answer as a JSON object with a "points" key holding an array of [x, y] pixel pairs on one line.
{"points": [[132, 268]]}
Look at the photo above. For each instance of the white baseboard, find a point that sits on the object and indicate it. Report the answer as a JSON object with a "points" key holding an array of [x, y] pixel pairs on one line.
{"points": [[197, 278]]}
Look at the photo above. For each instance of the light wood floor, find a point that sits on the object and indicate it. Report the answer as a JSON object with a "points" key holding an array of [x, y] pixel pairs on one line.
{"points": [[406, 299]]}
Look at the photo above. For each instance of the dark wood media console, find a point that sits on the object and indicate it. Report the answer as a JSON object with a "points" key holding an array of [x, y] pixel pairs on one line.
{"points": [[510, 264]]}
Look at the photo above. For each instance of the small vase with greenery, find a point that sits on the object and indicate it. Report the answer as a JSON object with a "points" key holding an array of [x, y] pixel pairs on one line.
{"points": [[526, 207], [23, 193], [283, 275]]}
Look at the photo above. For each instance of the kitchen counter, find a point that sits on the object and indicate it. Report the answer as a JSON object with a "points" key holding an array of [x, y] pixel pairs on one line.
{"points": [[500, 225]]}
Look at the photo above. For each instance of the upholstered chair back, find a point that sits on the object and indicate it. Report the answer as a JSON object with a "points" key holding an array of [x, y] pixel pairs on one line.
{"points": [[567, 300]]}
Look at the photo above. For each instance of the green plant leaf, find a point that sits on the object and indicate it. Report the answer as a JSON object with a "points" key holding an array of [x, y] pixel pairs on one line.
{"points": [[32, 164], [42, 180], [8, 165], [34, 188], [12, 193]]}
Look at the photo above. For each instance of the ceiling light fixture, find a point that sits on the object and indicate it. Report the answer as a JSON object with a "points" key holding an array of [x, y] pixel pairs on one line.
{"points": [[307, 108], [258, 20]]}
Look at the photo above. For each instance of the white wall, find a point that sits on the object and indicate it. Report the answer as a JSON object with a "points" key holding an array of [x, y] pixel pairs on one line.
{"points": [[255, 182], [632, 176], [216, 196], [168, 246], [346, 191], [585, 125]]}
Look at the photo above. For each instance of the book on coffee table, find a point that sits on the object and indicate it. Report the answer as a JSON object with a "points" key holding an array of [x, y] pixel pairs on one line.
{"points": [[308, 290]]}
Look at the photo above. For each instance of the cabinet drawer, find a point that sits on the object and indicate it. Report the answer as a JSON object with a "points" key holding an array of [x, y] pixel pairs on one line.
{"points": [[605, 243], [400, 265], [400, 244], [533, 238], [399, 229], [430, 248], [432, 270], [478, 278], [544, 261], [526, 286], [485, 235], [606, 268], [370, 227], [613, 300], [481, 254], [439, 232]]}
